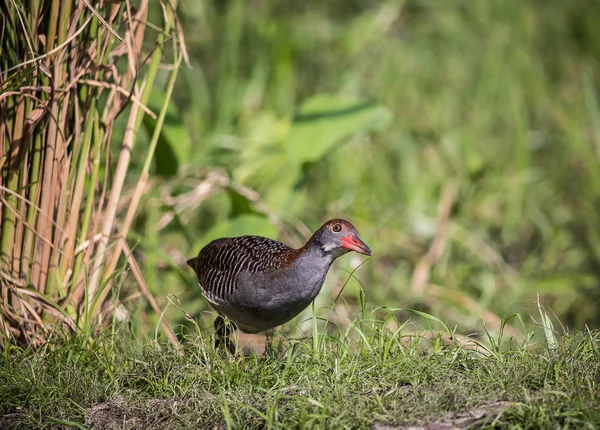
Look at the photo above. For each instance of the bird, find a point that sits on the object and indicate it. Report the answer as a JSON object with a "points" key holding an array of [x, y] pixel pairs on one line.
{"points": [[255, 283]]}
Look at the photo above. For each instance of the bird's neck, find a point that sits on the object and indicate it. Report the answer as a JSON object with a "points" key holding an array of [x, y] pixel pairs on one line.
{"points": [[315, 254]]}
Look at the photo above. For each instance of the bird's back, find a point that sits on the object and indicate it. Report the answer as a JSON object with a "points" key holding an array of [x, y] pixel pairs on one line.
{"points": [[219, 263]]}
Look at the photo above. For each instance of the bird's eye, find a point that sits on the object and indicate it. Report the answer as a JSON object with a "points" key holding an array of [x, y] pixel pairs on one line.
{"points": [[337, 228]]}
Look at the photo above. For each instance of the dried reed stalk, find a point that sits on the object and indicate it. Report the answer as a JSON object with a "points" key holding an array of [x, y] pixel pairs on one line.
{"points": [[60, 95]]}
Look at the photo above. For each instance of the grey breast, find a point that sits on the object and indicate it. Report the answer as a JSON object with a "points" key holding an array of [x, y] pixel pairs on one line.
{"points": [[268, 299], [296, 284]]}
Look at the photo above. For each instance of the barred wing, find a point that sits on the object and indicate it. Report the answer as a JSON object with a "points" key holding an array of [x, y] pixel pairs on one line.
{"points": [[219, 262]]}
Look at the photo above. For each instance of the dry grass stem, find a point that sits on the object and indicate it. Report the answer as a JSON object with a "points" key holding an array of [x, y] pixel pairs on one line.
{"points": [[60, 188]]}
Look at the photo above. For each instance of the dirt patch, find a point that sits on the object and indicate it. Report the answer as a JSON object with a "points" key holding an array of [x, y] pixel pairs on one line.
{"points": [[9, 421], [116, 414], [473, 418]]}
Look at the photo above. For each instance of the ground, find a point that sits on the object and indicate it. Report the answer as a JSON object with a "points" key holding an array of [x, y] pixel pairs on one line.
{"points": [[375, 382]]}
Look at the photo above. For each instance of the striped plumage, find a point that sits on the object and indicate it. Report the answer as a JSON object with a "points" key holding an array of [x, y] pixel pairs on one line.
{"points": [[219, 262], [259, 283]]}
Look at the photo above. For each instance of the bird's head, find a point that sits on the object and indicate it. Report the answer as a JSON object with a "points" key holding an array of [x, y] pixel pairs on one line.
{"points": [[338, 236]]}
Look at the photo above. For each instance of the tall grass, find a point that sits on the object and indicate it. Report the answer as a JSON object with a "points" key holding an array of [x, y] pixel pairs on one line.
{"points": [[68, 71]]}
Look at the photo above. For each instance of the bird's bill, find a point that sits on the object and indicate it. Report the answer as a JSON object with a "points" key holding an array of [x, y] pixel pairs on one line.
{"points": [[353, 243]]}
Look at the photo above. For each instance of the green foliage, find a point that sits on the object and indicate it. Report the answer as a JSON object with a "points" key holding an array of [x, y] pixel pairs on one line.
{"points": [[174, 142], [371, 111], [324, 120], [274, 156]]}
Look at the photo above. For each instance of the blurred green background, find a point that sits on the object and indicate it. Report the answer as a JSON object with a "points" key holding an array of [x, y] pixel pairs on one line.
{"points": [[461, 138]]}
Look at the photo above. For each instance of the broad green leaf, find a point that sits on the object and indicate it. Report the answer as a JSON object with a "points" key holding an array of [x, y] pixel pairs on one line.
{"points": [[261, 153], [324, 120], [275, 151], [283, 190]]}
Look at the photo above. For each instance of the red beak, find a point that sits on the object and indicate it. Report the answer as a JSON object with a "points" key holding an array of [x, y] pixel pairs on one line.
{"points": [[353, 243]]}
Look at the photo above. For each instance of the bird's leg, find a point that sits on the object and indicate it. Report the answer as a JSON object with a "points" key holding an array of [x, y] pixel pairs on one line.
{"points": [[224, 331]]}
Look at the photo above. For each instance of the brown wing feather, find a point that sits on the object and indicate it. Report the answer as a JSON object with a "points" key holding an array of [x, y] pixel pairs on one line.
{"points": [[219, 262]]}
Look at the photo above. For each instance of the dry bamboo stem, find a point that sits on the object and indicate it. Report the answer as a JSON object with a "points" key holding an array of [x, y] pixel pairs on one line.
{"points": [[111, 209], [54, 141]]}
